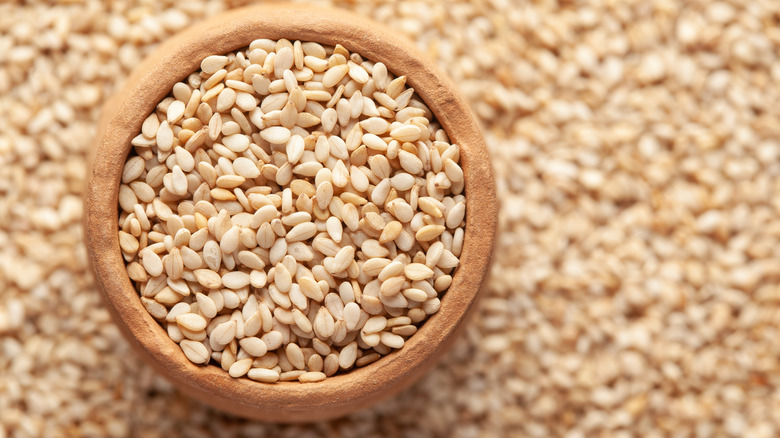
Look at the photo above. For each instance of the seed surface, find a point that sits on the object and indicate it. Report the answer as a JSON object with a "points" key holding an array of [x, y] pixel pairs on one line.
{"points": [[293, 198]]}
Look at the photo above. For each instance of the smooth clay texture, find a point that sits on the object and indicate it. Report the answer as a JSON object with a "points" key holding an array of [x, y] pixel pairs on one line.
{"points": [[288, 401]]}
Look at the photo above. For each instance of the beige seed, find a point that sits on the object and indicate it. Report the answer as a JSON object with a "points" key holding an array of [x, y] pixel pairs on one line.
{"points": [[226, 99], [392, 286], [246, 101], [175, 111], [258, 278], [253, 346], [334, 75], [324, 325], [414, 294], [272, 339], [453, 170], [372, 340], [128, 243], [236, 142], [154, 308], [430, 206], [400, 209], [343, 112], [235, 279], [230, 181], [351, 315], [340, 175], [343, 258], [373, 267], [164, 137], [374, 221], [207, 306], [250, 260], [402, 181], [375, 324], [212, 64], [276, 134], [306, 120], [285, 58], [282, 278], [212, 255], [295, 149], [301, 232], [311, 289], [263, 375], [417, 271], [195, 351], [448, 260], [348, 355], [375, 125], [150, 126], [240, 367], [456, 215], [358, 73], [191, 321], [316, 363], [152, 262], [406, 133], [224, 332], [311, 377], [134, 168], [317, 95], [372, 248], [208, 278], [184, 159], [295, 356], [302, 321], [410, 162], [179, 180], [329, 119], [350, 216], [392, 269], [429, 232], [372, 305], [374, 142], [324, 194], [380, 76], [358, 179], [230, 240], [381, 191], [334, 228], [246, 168], [367, 359], [288, 115], [391, 340], [390, 232], [405, 330]]}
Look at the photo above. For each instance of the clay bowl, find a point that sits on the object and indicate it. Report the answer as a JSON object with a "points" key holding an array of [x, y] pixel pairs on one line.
{"points": [[288, 401]]}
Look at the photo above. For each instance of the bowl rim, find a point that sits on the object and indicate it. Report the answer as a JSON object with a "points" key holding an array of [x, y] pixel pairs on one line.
{"points": [[152, 80]]}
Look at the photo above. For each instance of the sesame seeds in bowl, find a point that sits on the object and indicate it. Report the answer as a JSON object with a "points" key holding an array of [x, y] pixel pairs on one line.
{"points": [[290, 211], [280, 239]]}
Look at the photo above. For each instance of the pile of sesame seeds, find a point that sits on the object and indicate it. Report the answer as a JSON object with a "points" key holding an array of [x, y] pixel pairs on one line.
{"points": [[634, 284]]}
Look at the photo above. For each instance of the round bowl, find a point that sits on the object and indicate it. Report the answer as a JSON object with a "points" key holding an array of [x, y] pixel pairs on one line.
{"points": [[152, 81]]}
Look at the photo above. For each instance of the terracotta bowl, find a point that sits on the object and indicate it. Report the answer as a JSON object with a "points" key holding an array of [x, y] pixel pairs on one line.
{"points": [[152, 81]]}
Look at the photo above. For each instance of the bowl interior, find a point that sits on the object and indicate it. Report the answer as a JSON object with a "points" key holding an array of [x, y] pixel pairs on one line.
{"points": [[152, 81]]}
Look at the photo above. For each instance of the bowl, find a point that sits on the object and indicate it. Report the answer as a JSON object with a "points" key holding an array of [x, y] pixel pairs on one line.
{"points": [[152, 80]]}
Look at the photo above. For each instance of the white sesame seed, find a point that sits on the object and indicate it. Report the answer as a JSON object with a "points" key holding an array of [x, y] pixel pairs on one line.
{"points": [[196, 352], [212, 64]]}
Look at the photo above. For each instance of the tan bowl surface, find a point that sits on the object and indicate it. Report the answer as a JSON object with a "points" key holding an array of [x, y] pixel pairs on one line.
{"points": [[152, 81]]}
